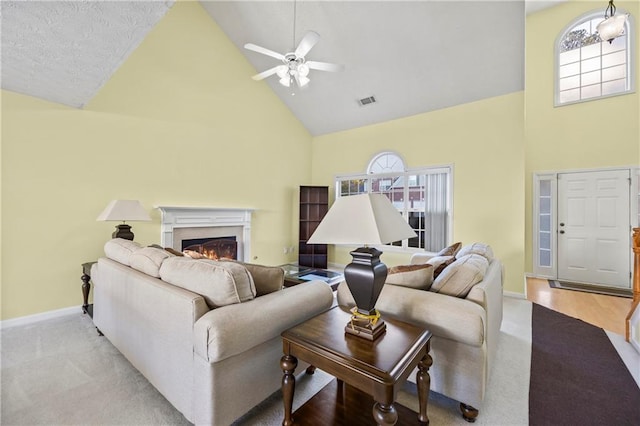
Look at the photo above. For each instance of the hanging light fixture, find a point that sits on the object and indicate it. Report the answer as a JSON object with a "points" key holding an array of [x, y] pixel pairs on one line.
{"points": [[612, 26]]}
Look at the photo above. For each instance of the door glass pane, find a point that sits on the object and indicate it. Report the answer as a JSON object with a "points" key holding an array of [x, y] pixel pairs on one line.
{"points": [[545, 258], [545, 240], [545, 223], [545, 205]]}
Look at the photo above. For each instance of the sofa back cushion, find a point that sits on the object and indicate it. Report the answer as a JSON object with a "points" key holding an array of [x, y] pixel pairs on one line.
{"points": [[477, 248], [220, 283], [458, 278], [120, 250], [148, 260], [412, 276], [451, 250]]}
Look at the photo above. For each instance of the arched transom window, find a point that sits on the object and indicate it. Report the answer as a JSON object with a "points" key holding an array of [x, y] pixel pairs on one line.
{"points": [[588, 68]]}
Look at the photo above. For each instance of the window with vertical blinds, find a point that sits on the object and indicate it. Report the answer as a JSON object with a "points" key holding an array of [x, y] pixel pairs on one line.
{"points": [[422, 196]]}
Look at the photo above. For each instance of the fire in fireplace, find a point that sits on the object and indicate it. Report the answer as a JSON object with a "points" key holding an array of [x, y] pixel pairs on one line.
{"points": [[221, 248]]}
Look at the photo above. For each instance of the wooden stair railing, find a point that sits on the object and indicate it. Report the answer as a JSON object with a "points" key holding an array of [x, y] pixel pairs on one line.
{"points": [[636, 281]]}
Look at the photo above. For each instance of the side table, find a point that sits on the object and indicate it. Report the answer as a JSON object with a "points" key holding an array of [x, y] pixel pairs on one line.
{"points": [[375, 368], [86, 288]]}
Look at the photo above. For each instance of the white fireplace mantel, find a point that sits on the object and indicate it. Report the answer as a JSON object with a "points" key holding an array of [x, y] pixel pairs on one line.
{"points": [[176, 217]]}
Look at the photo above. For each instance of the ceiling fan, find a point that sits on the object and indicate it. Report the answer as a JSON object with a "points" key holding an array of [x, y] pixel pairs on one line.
{"points": [[294, 66]]}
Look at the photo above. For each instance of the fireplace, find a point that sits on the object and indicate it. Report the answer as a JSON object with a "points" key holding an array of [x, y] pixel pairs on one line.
{"points": [[206, 223], [223, 248]]}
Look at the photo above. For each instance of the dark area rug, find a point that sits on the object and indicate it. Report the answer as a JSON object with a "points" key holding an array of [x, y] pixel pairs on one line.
{"points": [[577, 377]]}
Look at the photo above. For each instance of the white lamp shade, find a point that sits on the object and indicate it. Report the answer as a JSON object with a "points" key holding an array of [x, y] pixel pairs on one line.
{"points": [[362, 219], [124, 210], [612, 27]]}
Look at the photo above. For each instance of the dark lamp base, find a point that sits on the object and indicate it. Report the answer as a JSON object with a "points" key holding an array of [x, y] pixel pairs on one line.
{"points": [[123, 231], [365, 277]]}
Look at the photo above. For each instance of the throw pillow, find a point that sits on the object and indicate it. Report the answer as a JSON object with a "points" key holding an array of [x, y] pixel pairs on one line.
{"points": [[477, 248], [452, 250], [148, 260], [220, 283], [439, 263], [459, 277], [194, 254], [120, 250], [267, 279], [174, 252], [412, 276]]}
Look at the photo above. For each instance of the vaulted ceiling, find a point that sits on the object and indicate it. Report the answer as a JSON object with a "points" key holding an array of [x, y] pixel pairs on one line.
{"points": [[413, 57]]}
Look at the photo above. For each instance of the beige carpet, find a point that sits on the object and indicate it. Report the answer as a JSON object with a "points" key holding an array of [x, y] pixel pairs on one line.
{"points": [[60, 372]]}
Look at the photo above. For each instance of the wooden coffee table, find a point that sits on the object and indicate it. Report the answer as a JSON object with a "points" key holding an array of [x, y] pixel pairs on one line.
{"points": [[376, 368]]}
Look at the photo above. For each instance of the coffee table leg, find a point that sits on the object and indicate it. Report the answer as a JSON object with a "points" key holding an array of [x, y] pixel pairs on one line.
{"points": [[288, 363], [423, 380], [385, 414]]}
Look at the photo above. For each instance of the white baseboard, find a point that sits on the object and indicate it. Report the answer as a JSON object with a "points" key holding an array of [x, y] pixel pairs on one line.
{"points": [[513, 294], [44, 316]]}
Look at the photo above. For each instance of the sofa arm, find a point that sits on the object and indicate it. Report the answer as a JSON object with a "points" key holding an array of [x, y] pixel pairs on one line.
{"points": [[233, 329], [445, 316]]}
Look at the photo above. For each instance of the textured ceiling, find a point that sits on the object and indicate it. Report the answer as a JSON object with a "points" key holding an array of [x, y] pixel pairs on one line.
{"points": [[64, 51], [414, 56]]}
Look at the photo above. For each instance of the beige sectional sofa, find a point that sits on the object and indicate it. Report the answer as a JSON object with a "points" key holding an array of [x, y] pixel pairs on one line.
{"points": [[463, 309], [206, 334]]}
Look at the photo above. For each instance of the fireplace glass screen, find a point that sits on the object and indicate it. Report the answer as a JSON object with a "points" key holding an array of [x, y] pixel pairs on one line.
{"points": [[222, 248]]}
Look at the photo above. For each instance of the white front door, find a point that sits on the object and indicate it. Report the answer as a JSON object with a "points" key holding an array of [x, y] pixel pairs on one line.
{"points": [[593, 228]]}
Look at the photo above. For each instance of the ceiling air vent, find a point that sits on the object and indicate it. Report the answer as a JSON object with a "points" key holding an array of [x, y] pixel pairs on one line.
{"points": [[367, 101]]}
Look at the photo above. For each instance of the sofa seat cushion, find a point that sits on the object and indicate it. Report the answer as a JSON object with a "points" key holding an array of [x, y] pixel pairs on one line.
{"points": [[148, 260], [220, 283], [412, 276], [120, 250], [458, 278]]}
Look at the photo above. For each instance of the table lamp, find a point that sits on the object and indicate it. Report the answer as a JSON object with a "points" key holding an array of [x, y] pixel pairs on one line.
{"points": [[124, 210], [363, 219]]}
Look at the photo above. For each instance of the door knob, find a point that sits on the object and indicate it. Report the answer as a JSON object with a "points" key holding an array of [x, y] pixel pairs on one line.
{"points": [[562, 231], [561, 223]]}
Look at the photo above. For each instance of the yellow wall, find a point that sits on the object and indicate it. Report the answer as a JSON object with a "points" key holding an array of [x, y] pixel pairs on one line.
{"points": [[601, 133], [180, 123], [484, 142]]}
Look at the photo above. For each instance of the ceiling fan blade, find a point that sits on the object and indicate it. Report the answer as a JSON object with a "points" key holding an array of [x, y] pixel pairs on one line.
{"points": [[324, 66], [267, 73], [264, 51], [308, 41]]}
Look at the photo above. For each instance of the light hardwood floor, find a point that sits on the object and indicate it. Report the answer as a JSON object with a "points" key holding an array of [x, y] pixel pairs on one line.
{"points": [[608, 312]]}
